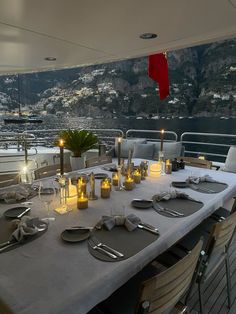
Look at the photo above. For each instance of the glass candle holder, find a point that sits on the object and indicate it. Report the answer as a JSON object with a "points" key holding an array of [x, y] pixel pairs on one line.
{"points": [[115, 178], [137, 176], [105, 188], [129, 183], [142, 170], [155, 169], [82, 185], [82, 201], [145, 168], [168, 167]]}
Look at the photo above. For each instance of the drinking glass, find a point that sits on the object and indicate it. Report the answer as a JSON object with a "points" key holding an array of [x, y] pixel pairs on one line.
{"points": [[47, 193]]}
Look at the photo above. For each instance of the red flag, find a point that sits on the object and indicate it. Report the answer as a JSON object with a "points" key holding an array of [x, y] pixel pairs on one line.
{"points": [[158, 71]]}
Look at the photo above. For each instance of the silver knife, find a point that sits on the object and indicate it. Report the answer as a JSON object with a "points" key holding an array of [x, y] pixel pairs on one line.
{"points": [[112, 250], [148, 229], [24, 212], [169, 210], [149, 226]]}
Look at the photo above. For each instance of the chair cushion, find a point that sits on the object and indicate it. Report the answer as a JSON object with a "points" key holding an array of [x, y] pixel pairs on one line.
{"points": [[230, 162], [144, 151], [126, 145], [171, 150]]}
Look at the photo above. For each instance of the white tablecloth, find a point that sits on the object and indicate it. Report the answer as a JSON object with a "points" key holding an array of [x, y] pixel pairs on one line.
{"points": [[49, 276]]}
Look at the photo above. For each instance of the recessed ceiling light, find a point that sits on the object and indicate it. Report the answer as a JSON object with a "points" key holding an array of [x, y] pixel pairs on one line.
{"points": [[50, 59], [148, 36]]}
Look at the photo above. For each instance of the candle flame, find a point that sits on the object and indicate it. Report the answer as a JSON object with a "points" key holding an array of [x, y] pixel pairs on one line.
{"points": [[61, 142], [119, 139], [162, 131]]}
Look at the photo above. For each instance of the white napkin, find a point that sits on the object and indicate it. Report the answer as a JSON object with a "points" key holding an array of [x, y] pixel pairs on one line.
{"points": [[169, 195], [130, 222], [27, 227], [197, 180]]}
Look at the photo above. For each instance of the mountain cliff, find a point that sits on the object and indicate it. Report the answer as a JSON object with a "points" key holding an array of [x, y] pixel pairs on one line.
{"points": [[202, 83]]}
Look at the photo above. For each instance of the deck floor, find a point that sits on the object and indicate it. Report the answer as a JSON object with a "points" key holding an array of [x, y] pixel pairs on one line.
{"points": [[215, 292]]}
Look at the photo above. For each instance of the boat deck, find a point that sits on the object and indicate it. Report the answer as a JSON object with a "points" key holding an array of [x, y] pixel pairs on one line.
{"points": [[215, 292]]}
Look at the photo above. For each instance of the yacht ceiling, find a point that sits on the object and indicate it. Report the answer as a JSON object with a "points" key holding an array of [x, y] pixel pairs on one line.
{"points": [[81, 32]]}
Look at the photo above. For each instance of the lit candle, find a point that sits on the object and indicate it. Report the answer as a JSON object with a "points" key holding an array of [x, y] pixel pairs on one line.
{"points": [[155, 169], [105, 189], [82, 202], [61, 145], [168, 167], [129, 183], [137, 176], [115, 179], [119, 150], [162, 139]]}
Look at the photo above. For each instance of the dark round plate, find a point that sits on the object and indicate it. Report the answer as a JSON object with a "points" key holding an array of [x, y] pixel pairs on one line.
{"points": [[179, 184], [75, 235], [141, 204], [15, 211], [100, 175]]}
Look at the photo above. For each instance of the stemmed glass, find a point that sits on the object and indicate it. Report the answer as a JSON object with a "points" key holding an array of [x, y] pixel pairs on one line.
{"points": [[47, 193]]}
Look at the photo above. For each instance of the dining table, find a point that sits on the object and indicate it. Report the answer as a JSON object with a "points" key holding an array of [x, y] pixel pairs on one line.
{"points": [[51, 276]]}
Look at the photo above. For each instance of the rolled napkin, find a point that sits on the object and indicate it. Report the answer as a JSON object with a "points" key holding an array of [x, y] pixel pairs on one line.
{"points": [[27, 227], [17, 193], [165, 196], [197, 180], [130, 222]]}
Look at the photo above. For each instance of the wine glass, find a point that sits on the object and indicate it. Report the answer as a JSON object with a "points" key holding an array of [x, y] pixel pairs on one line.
{"points": [[47, 193]]}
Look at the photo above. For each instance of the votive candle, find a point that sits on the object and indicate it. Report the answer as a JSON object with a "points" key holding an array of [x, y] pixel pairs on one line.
{"points": [[129, 183], [115, 179], [105, 189], [82, 202], [168, 167], [137, 176]]}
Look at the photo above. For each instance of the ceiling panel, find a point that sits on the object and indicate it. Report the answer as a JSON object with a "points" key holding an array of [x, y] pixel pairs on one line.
{"points": [[80, 32]]}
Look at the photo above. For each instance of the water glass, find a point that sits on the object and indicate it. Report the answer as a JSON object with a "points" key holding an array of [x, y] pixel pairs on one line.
{"points": [[47, 193]]}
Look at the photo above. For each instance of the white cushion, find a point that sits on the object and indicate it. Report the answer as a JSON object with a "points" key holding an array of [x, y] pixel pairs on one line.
{"points": [[144, 151], [230, 162], [126, 145], [171, 150]]}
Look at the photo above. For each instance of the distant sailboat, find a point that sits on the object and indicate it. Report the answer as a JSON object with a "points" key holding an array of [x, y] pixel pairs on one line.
{"points": [[21, 118]]}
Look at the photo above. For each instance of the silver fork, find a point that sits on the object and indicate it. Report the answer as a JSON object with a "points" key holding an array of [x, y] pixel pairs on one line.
{"points": [[100, 244], [100, 249], [169, 211]]}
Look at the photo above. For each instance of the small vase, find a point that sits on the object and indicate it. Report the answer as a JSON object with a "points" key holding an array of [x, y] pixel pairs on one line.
{"points": [[77, 163]]}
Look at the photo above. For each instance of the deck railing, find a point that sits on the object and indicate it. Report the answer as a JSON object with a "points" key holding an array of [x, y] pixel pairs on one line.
{"points": [[211, 145]]}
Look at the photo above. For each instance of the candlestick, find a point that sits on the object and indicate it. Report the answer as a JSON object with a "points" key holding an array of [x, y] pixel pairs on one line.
{"points": [[82, 185], [119, 187], [92, 195], [82, 202], [162, 139], [119, 150], [105, 189], [61, 145], [142, 170]]}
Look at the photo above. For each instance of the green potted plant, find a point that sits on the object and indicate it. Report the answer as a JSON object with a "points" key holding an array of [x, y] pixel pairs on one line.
{"points": [[78, 142]]}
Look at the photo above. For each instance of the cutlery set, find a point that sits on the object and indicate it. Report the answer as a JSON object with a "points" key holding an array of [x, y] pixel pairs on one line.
{"points": [[160, 208]]}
